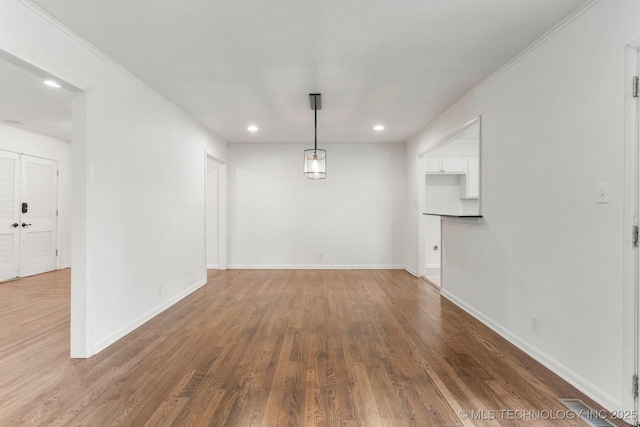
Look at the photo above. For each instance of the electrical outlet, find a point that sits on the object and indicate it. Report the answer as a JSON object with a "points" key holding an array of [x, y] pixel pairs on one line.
{"points": [[535, 324], [320, 255], [435, 247]]}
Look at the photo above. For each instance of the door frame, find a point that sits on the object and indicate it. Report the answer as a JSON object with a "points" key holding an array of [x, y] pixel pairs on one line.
{"points": [[222, 209], [631, 254], [422, 245], [81, 187], [420, 172]]}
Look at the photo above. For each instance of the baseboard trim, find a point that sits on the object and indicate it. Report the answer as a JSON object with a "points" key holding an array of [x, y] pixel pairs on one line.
{"points": [[141, 320], [431, 282], [410, 271], [564, 372], [432, 266], [63, 266], [316, 267], [213, 267]]}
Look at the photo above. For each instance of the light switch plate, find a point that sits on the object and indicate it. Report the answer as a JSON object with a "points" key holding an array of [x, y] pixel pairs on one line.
{"points": [[603, 193]]}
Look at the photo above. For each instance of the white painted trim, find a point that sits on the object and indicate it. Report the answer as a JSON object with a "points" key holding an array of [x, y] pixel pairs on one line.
{"points": [[410, 270], [221, 204], [606, 400], [420, 189], [205, 200], [216, 159], [141, 320], [432, 266], [223, 215], [533, 46], [631, 347], [317, 267], [82, 231], [64, 266]]}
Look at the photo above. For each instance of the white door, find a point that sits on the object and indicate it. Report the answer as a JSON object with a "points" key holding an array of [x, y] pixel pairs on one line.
{"points": [[38, 215], [9, 215]]}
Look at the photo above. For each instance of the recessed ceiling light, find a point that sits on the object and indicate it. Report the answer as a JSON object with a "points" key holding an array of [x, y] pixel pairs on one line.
{"points": [[51, 83], [252, 128], [378, 128], [13, 122]]}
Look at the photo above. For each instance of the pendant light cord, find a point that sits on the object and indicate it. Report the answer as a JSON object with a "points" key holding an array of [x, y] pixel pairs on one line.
{"points": [[315, 116]]}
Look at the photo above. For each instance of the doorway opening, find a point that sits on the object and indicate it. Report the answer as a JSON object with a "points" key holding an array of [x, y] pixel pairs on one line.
{"points": [[449, 186], [215, 214], [28, 215], [35, 188]]}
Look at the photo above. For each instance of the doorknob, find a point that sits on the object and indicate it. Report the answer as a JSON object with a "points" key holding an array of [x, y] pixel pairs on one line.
{"points": [[25, 225], [15, 224]]}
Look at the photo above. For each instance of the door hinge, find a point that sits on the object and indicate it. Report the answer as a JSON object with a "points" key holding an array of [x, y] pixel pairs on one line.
{"points": [[635, 86], [634, 385], [634, 236], [57, 173], [56, 252], [56, 212]]}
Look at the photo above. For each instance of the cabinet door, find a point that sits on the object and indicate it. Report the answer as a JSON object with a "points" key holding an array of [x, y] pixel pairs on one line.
{"points": [[432, 165], [454, 165]]}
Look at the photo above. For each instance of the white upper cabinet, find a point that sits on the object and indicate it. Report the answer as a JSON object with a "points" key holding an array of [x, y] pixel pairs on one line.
{"points": [[450, 173], [432, 165], [448, 165]]}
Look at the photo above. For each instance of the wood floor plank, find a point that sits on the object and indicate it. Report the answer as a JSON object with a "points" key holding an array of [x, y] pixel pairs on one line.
{"points": [[271, 348], [171, 407]]}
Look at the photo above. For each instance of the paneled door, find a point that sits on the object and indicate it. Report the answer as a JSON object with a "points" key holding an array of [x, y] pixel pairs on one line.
{"points": [[28, 215], [38, 215], [9, 215]]}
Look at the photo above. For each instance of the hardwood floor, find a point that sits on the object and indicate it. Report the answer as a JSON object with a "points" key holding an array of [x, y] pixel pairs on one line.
{"points": [[266, 348]]}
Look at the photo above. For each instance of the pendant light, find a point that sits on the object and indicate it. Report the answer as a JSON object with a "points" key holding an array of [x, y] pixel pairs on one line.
{"points": [[315, 161]]}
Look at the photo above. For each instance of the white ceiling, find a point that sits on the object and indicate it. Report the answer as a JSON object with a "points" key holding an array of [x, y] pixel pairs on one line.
{"points": [[232, 63], [39, 108]]}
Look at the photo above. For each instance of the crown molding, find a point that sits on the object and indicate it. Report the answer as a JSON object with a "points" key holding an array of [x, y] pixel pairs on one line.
{"points": [[516, 59]]}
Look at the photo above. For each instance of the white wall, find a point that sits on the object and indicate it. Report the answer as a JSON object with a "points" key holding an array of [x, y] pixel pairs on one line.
{"points": [[138, 184], [33, 144], [279, 218], [442, 194], [458, 148], [552, 129], [431, 230], [212, 213]]}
